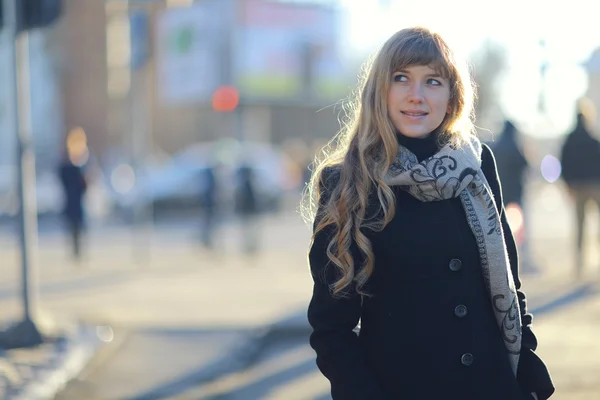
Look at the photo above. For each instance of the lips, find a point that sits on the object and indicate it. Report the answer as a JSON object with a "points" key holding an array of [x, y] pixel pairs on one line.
{"points": [[414, 113]]}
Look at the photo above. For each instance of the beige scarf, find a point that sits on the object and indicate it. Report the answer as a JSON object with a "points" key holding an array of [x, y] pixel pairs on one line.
{"points": [[456, 172]]}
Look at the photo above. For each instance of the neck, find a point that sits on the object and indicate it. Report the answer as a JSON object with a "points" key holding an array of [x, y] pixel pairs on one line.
{"points": [[421, 147]]}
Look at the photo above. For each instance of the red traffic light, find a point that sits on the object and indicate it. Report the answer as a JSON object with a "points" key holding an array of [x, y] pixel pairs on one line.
{"points": [[225, 99]]}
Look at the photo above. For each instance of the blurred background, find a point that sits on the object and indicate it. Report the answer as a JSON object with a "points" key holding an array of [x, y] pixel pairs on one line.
{"points": [[166, 256]]}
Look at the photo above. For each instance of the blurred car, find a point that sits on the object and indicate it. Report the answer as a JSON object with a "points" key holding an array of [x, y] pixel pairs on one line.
{"points": [[47, 190], [179, 182]]}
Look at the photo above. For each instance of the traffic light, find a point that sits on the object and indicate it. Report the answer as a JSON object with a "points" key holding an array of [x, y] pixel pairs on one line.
{"points": [[38, 13], [34, 13], [225, 99]]}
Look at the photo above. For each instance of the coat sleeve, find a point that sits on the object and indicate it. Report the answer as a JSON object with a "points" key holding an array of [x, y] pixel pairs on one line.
{"points": [[339, 354], [532, 374]]}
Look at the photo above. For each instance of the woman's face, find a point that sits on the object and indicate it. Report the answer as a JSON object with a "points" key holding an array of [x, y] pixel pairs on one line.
{"points": [[418, 100]]}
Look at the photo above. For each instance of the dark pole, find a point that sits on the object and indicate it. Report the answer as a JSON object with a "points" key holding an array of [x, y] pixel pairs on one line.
{"points": [[25, 333], [139, 42]]}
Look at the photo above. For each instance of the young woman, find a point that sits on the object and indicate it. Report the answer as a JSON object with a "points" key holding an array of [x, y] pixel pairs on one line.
{"points": [[411, 242]]}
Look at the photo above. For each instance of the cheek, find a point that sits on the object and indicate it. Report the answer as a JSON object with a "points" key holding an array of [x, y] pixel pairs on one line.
{"points": [[448, 104], [444, 105], [392, 97], [396, 94]]}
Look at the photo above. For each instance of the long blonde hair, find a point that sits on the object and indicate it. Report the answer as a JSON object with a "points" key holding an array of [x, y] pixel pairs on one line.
{"points": [[364, 148]]}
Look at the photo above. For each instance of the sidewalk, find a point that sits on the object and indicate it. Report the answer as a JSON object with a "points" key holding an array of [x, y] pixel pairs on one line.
{"points": [[566, 324], [569, 345], [177, 285], [168, 285]]}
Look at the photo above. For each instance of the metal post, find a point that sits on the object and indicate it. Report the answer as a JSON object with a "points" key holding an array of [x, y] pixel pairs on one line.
{"points": [[142, 211], [26, 170], [25, 333]]}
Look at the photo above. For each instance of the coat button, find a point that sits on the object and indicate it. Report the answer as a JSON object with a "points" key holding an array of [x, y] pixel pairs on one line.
{"points": [[460, 311], [455, 264], [467, 359]]}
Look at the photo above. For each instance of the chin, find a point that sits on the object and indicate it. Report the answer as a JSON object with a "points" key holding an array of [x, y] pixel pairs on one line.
{"points": [[415, 134]]}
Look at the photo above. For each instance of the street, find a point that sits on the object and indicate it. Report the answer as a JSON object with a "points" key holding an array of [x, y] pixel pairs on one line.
{"points": [[175, 309], [130, 129]]}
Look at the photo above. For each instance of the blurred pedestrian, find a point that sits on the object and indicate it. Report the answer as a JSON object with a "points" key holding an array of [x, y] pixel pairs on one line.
{"points": [[74, 185], [511, 163], [208, 204], [247, 209], [411, 239], [580, 159], [512, 168]]}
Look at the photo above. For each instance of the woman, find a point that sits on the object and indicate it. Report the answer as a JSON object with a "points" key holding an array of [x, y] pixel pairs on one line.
{"points": [[410, 239]]}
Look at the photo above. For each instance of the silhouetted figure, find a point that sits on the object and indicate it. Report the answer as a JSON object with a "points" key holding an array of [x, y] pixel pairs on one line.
{"points": [[580, 158], [512, 168], [511, 163], [208, 200], [74, 187], [246, 206]]}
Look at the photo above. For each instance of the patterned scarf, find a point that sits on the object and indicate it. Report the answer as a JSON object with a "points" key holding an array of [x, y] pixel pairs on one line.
{"points": [[452, 173]]}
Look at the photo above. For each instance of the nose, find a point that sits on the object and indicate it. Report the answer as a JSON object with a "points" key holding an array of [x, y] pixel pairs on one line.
{"points": [[415, 94]]}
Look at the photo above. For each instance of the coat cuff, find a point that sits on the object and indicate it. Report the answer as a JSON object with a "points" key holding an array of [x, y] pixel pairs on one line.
{"points": [[533, 375]]}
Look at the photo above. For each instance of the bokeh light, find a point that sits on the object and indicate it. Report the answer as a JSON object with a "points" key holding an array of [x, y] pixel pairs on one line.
{"points": [[550, 168], [105, 333], [514, 215], [225, 99], [122, 179]]}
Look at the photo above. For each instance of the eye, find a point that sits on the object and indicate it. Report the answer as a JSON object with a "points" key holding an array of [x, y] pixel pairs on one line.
{"points": [[400, 78], [434, 82]]}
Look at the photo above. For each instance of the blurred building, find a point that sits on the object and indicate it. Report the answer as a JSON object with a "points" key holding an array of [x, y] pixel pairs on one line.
{"points": [[81, 45], [593, 92], [45, 96], [144, 74]]}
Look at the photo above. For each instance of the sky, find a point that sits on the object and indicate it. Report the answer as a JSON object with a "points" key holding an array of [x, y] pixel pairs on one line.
{"points": [[568, 30]]}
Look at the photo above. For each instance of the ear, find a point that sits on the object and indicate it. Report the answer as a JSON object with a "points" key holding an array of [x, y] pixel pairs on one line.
{"points": [[449, 109]]}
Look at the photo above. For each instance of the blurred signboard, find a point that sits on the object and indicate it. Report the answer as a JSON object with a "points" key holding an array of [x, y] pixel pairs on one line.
{"points": [[284, 50], [188, 52], [267, 49], [138, 23]]}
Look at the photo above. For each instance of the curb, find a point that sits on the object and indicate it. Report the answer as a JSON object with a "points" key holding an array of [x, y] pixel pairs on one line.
{"points": [[73, 352]]}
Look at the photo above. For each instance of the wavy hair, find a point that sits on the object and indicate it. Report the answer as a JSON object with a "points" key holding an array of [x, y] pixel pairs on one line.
{"points": [[363, 150]]}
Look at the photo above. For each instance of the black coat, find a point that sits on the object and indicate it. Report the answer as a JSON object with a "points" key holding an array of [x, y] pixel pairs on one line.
{"points": [[428, 331], [74, 187], [512, 165], [580, 157]]}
